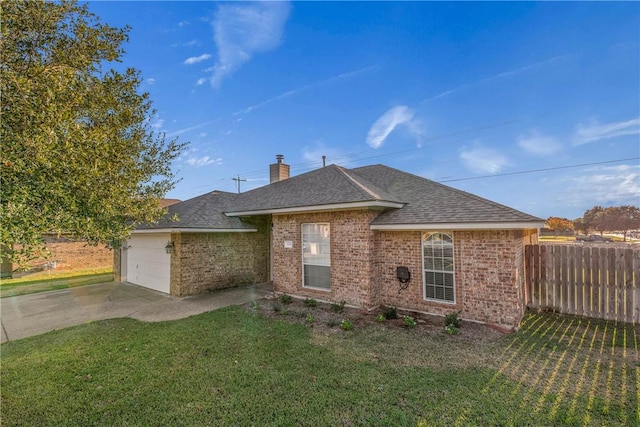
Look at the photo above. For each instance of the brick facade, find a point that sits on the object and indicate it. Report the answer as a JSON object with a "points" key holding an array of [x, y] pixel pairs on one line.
{"points": [[489, 267], [70, 255], [203, 262], [488, 274], [352, 247]]}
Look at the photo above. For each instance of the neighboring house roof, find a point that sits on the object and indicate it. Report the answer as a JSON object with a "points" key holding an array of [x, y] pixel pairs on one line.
{"points": [[202, 213], [409, 203]]}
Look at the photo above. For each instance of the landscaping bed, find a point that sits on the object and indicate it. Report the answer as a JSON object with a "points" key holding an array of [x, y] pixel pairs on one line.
{"points": [[328, 317]]}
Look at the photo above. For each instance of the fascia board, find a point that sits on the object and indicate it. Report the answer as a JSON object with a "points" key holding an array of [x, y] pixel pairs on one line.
{"points": [[319, 208], [461, 226], [195, 230]]}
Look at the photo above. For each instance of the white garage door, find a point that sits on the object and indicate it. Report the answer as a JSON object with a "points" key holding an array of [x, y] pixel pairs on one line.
{"points": [[148, 263]]}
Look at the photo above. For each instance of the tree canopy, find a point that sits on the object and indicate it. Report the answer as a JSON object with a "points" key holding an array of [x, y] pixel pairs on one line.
{"points": [[78, 154], [559, 224], [614, 218]]}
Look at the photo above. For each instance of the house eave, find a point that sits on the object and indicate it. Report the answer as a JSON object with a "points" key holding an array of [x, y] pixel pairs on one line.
{"points": [[194, 230], [376, 204], [515, 225]]}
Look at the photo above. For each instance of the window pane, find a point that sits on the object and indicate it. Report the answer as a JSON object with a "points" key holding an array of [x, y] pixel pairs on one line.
{"points": [[438, 266], [316, 255]]}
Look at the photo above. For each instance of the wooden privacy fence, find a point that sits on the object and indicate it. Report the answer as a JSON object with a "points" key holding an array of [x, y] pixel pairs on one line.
{"points": [[594, 281]]}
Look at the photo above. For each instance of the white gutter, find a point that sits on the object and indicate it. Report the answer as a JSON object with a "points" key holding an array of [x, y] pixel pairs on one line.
{"points": [[320, 208], [461, 226], [194, 230]]}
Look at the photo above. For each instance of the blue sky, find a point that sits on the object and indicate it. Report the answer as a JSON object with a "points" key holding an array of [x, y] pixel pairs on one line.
{"points": [[474, 95]]}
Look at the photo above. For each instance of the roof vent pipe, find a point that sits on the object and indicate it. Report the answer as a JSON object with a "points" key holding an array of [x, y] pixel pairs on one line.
{"points": [[324, 161]]}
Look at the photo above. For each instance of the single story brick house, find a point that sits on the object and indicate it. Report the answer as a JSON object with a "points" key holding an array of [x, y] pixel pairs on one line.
{"points": [[369, 236]]}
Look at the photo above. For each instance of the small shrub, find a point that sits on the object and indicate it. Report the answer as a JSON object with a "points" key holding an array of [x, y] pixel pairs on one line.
{"points": [[310, 302], [390, 313], [309, 318], [286, 299], [380, 318], [254, 305], [451, 329], [409, 322], [338, 307], [346, 325], [452, 319]]}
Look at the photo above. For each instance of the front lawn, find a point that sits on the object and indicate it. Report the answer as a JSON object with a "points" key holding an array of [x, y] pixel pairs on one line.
{"points": [[235, 366]]}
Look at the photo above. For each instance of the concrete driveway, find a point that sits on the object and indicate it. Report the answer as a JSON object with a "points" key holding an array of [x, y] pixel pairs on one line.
{"points": [[28, 315]]}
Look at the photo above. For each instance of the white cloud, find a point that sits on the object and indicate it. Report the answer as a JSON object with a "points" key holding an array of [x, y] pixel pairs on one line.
{"points": [[594, 131], [201, 81], [604, 185], [539, 145], [501, 75], [392, 118], [203, 161], [240, 31], [158, 124], [195, 59], [301, 89], [150, 81], [483, 160]]}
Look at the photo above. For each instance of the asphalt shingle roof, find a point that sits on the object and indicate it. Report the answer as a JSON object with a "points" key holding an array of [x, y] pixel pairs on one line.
{"points": [[330, 185], [423, 201], [205, 211], [429, 202]]}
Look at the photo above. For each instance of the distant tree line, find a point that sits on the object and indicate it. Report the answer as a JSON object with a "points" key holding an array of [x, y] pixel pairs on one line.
{"points": [[621, 219]]}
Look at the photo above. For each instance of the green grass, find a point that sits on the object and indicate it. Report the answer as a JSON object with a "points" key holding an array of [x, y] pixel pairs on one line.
{"points": [[557, 238], [233, 367], [49, 281]]}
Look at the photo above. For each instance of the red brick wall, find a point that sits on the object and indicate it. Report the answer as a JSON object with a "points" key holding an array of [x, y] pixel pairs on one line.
{"points": [[489, 274], [352, 245], [489, 267], [206, 261], [67, 254]]}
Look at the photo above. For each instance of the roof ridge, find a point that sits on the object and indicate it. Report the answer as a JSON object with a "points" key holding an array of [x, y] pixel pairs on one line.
{"points": [[358, 184], [457, 190]]}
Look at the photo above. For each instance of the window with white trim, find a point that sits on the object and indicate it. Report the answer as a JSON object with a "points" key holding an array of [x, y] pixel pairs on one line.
{"points": [[437, 255], [316, 256]]}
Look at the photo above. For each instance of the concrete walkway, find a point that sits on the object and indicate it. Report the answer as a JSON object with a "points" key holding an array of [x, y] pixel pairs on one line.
{"points": [[28, 315]]}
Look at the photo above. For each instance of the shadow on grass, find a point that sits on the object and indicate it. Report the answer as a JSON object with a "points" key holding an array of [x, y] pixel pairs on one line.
{"points": [[571, 370]]}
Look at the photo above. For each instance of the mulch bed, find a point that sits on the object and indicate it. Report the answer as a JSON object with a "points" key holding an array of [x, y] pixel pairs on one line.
{"points": [[326, 317]]}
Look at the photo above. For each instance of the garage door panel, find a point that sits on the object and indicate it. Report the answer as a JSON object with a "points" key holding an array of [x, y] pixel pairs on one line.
{"points": [[148, 264]]}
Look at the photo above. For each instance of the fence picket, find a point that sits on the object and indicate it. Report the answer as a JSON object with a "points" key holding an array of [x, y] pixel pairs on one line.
{"points": [[626, 272], [595, 281], [579, 279]]}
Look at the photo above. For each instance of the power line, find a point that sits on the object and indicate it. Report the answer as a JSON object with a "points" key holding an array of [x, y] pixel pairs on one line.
{"points": [[540, 170]]}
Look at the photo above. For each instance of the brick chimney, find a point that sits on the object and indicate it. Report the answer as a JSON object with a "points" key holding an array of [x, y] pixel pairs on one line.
{"points": [[278, 171]]}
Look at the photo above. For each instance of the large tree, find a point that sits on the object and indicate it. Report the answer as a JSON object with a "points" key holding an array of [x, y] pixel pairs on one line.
{"points": [[77, 151], [559, 224], [619, 218]]}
